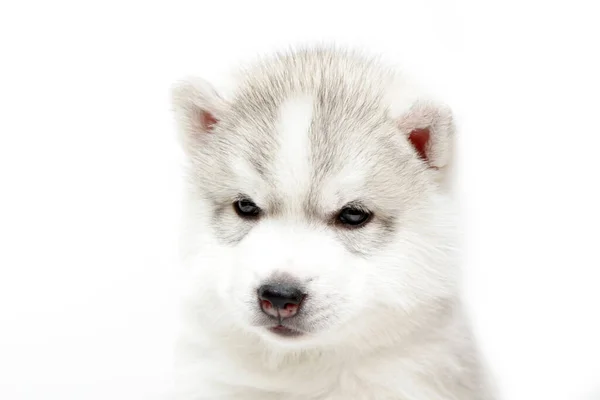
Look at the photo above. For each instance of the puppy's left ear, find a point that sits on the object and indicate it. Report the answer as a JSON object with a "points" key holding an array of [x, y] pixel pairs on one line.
{"points": [[429, 128], [198, 110]]}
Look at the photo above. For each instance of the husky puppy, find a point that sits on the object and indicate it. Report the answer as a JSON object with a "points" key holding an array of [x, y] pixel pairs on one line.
{"points": [[320, 242]]}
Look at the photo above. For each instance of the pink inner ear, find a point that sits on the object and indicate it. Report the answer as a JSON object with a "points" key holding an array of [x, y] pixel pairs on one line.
{"points": [[419, 138], [207, 120]]}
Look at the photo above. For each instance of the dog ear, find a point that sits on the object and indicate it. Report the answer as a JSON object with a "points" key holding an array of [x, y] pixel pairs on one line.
{"points": [[198, 109], [425, 123], [429, 128]]}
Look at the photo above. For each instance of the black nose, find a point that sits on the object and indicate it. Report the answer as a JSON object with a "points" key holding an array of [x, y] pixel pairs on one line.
{"points": [[280, 295]]}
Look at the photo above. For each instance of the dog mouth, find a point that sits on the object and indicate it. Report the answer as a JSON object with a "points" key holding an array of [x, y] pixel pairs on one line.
{"points": [[284, 331]]}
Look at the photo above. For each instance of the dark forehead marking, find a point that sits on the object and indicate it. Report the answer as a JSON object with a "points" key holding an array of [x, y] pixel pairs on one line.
{"points": [[344, 137], [251, 133]]}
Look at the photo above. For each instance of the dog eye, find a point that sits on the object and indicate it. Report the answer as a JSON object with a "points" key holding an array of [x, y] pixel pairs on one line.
{"points": [[246, 208], [353, 217]]}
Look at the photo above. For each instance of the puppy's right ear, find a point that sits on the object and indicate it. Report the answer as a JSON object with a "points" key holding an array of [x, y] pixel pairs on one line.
{"points": [[198, 109]]}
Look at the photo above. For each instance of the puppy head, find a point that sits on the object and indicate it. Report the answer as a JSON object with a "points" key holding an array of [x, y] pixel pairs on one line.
{"points": [[315, 212]]}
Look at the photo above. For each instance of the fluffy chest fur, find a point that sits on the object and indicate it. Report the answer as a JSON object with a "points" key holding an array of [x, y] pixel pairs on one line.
{"points": [[421, 370]]}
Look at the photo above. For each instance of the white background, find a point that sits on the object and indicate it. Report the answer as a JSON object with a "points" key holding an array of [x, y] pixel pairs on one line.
{"points": [[90, 178]]}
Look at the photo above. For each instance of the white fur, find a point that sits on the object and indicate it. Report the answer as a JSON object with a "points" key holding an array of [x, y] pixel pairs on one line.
{"points": [[386, 325], [293, 169]]}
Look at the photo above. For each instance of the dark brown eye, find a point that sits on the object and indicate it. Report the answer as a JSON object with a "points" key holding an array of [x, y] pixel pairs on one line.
{"points": [[352, 217], [246, 208]]}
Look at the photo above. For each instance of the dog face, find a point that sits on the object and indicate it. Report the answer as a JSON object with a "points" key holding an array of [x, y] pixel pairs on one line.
{"points": [[315, 209]]}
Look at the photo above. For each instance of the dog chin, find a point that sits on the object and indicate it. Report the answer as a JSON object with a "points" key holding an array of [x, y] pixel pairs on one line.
{"points": [[286, 335], [285, 332]]}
